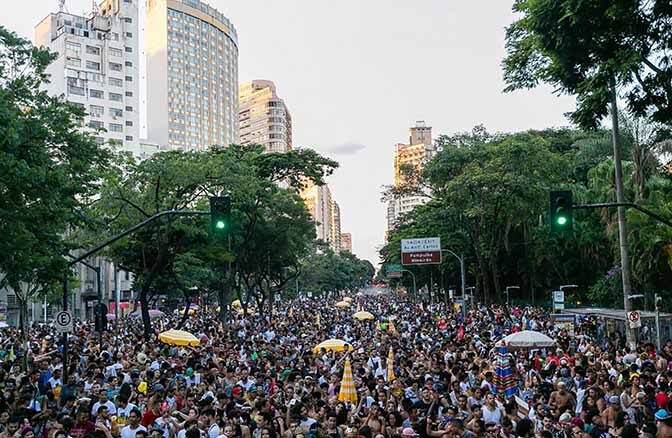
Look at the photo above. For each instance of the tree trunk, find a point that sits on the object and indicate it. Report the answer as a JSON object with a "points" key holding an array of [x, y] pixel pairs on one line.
{"points": [[494, 266], [622, 224], [23, 316], [185, 316]]}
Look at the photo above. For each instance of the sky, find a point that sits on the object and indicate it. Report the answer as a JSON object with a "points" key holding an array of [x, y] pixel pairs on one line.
{"points": [[356, 74]]}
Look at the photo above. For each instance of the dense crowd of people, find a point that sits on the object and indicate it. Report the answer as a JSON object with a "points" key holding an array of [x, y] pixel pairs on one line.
{"points": [[257, 376]]}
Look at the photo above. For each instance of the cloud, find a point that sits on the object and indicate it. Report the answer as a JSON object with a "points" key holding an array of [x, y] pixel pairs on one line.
{"points": [[347, 148]]}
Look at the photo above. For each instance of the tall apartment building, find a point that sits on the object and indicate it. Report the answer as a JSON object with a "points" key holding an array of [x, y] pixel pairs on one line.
{"points": [[419, 150], [191, 54], [263, 117], [335, 240], [325, 212], [97, 66], [346, 242]]}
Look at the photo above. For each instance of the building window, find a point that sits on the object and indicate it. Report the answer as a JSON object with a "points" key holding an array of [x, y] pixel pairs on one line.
{"points": [[96, 124], [129, 138], [115, 37], [129, 94], [115, 67], [116, 82], [99, 140], [115, 127], [74, 62], [116, 52], [129, 78], [93, 65], [96, 111], [128, 64], [129, 123], [129, 108], [73, 49], [98, 94], [92, 50], [128, 19], [116, 97], [129, 35], [116, 112], [73, 89], [128, 49], [94, 77]]}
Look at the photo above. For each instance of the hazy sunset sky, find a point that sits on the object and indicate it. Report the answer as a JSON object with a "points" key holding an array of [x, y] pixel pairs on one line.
{"points": [[356, 74]]}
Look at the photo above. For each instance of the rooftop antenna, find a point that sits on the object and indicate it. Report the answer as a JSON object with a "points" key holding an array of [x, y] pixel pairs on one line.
{"points": [[61, 6]]}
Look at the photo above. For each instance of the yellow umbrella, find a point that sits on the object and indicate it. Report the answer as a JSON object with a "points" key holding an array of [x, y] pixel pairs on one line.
{"points": [[342, 304], [236, 303], [391, 327], [363, 316], [179, 337], [378, 325], [347, 299], [333, 345], [348, 393], [318, 321], [241, 312], [390, 366]]}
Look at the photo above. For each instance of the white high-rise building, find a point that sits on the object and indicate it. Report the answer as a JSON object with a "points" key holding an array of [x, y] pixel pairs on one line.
{"points": [[418, 152], [97, 66], [191, 51]]}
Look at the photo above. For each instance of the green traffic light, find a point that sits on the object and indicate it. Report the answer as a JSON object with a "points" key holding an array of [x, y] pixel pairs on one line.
{"points": [[561, 220], [220, 225]]}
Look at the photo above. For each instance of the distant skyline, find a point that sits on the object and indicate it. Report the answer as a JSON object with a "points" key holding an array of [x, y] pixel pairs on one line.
{"points": [[356, 75]]}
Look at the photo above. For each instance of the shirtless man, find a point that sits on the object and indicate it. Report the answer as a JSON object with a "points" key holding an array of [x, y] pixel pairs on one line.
{"points": [[609, 415], [561, 398]]}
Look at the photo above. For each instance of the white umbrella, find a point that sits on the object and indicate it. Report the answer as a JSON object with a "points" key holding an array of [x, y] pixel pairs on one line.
{"points": [[526, 339]]}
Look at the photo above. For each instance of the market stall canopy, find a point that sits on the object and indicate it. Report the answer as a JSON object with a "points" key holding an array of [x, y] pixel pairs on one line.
{"points": [[363, 316], [333, 345], [179, 337], [526, 339]]}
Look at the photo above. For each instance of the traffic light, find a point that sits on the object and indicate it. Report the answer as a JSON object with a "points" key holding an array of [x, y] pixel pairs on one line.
{"points": [[561, 211], [220, 215], [100, 317]]}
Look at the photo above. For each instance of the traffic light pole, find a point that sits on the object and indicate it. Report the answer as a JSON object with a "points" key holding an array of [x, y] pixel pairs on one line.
{"points": [[98, 248], [626, 205]]}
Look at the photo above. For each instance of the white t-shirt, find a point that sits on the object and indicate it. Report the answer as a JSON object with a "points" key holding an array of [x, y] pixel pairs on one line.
{"points": [[127, 432], [213, 431]]}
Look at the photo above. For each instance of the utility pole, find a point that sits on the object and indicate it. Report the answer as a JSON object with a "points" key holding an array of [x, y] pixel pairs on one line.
{"points": [[657, 300], [622, 224]]}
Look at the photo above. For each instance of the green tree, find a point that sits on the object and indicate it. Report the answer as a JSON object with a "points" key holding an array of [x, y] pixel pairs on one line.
{"points": [[48, 172], [270, 225]]}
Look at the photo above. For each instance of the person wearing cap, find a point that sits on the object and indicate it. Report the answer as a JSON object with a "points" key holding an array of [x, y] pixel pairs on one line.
{"points": [[409, 432], [663, 423], [610, 414]]}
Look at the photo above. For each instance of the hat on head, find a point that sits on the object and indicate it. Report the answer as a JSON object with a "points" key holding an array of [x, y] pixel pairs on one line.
{"points": [[614, 400], [408, 432], [576, 421], [237, 391], [566, 417], [662, 415]]}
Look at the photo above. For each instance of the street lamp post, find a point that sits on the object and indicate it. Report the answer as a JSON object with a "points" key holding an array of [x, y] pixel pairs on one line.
{"points": [[508, 300], [415, 288]]}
